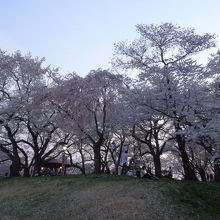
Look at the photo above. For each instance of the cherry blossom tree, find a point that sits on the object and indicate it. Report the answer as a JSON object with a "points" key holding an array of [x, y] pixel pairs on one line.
{"points": [[26, 118], [165, 56], [88, 103]]}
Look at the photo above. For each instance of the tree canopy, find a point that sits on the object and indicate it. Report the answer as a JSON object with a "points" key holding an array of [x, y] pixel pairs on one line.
{"points": [[167, 116]]}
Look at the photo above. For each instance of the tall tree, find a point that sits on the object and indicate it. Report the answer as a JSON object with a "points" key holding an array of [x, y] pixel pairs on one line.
{"points": [[164, 54], [24, 86], [88, 102]]}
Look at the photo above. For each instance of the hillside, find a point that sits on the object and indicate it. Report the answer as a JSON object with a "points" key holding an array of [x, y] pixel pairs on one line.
{"points": [[106, 197]]}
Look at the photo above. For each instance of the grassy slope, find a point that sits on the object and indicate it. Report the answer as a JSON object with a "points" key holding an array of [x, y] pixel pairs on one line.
{"points": [[106, 197]]}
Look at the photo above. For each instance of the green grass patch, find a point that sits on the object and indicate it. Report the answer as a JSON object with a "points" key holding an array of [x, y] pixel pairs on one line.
{"points": [[196, 200], [106, 197]]}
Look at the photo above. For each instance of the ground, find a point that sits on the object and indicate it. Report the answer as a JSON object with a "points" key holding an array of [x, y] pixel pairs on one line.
{"points": [[106, 197]]}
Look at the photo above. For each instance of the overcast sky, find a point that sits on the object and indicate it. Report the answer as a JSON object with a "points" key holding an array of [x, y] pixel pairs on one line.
{"points": [[80, 35]]}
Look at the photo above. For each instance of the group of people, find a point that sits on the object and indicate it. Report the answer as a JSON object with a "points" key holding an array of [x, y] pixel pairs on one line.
{"points": [[141, 172], [138, 171], [50, 172]]}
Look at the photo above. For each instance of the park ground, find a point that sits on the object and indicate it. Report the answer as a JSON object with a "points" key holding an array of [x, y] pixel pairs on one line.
{"points": [[102, 197]]}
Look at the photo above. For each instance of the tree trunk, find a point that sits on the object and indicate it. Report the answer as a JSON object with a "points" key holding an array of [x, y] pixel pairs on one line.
{"points": [[217, 173], [26, 171], [97, 158], [157, 165], [83, 170], [118, 161], [15, 168], [37, 165], [26, 167], [189, 173], [202, 174]]}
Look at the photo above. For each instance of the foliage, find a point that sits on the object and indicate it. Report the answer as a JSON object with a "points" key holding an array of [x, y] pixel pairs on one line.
{"points": [[167, 116]]}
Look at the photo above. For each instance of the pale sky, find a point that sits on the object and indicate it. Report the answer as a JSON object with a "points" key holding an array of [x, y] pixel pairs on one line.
{"points": [[80, 35]]}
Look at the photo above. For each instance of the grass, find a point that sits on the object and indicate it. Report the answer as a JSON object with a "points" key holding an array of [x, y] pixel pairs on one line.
{"points": [[106, 197]]}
